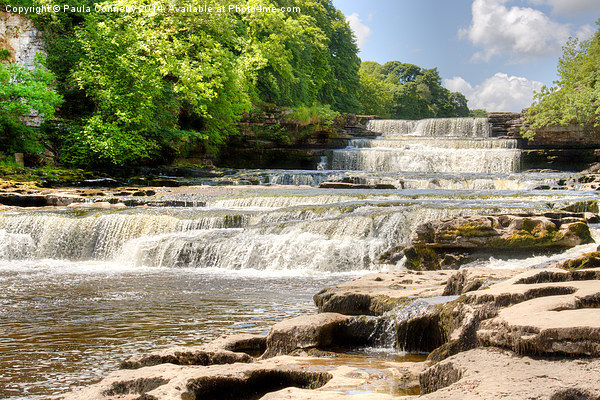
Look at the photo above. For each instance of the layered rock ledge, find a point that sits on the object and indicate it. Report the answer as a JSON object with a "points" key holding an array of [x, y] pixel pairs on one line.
{"points": [[446, 244]]}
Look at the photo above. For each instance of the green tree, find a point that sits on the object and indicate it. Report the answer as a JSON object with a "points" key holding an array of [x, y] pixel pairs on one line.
{"points": [[407, 91], [157, 79], [576, 97], [304, 57], [375, 95], [141, 87], [24, 92]]}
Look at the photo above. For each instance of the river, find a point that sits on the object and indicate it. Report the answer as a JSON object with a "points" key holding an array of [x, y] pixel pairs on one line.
{"points": [[84, 288]]}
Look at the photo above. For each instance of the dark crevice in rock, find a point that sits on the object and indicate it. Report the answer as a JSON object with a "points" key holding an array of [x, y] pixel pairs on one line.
{"points": [[255, 385], [138, 386], [421, 334], [592, 301]]}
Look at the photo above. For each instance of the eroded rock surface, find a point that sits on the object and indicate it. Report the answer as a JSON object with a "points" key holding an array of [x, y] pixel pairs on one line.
{"points": [[444, 244], [554, 311], [550, 314], [377, 293], [168, 381], [314, 331], [282, 377], [374, 294], [491, 373]]}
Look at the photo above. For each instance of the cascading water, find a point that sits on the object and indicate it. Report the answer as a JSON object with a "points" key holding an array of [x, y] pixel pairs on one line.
{"points": [[437, 127], [432, 145], [275, 233], [113, 282]]}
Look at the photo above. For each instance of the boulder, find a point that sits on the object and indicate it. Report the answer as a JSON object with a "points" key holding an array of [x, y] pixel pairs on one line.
{"points": [[309, 331], [505, 231], [585, 261]]}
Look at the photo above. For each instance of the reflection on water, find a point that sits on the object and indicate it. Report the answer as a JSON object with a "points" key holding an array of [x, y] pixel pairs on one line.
{"points": [[59, 321], [380, 365]]}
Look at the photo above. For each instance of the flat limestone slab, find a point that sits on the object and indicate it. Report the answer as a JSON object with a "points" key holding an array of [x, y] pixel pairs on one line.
{"points": [[548, 311], [374, 294], [281, 377], [490, 373]]}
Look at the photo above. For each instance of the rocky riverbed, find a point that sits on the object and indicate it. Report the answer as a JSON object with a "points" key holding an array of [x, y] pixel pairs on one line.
{"points": [[488, 332]]}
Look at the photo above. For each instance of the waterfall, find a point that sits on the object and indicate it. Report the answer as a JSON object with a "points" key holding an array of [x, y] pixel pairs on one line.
{"points": [[460, 145], [438, 127], [334, 235], [411, 327]]}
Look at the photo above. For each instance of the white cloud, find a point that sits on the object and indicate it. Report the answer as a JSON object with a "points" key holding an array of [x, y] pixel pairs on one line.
{"points": [[521, 33], [497, 93], [361, 31], [585, 32], [570, 7]]}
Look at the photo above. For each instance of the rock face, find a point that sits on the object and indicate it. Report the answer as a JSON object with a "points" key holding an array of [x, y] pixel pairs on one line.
{"points": [[20, 38], [449, 243], [506, 123], [23, 42], [489, 373]]}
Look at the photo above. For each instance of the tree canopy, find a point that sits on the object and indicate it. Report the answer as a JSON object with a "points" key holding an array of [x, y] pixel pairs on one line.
{"points": [[407, 91], [576, 97], [142, 87], [138, 84]]}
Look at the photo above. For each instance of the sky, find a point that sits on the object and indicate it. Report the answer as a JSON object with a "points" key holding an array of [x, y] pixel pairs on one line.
{"points": [[495, 52]]}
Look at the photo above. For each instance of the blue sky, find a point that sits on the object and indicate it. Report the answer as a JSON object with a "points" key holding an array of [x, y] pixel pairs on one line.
{"points": [[496, 52]]}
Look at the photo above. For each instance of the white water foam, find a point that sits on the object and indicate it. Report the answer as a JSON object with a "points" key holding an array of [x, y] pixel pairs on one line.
{"points": [[432, 145]]}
